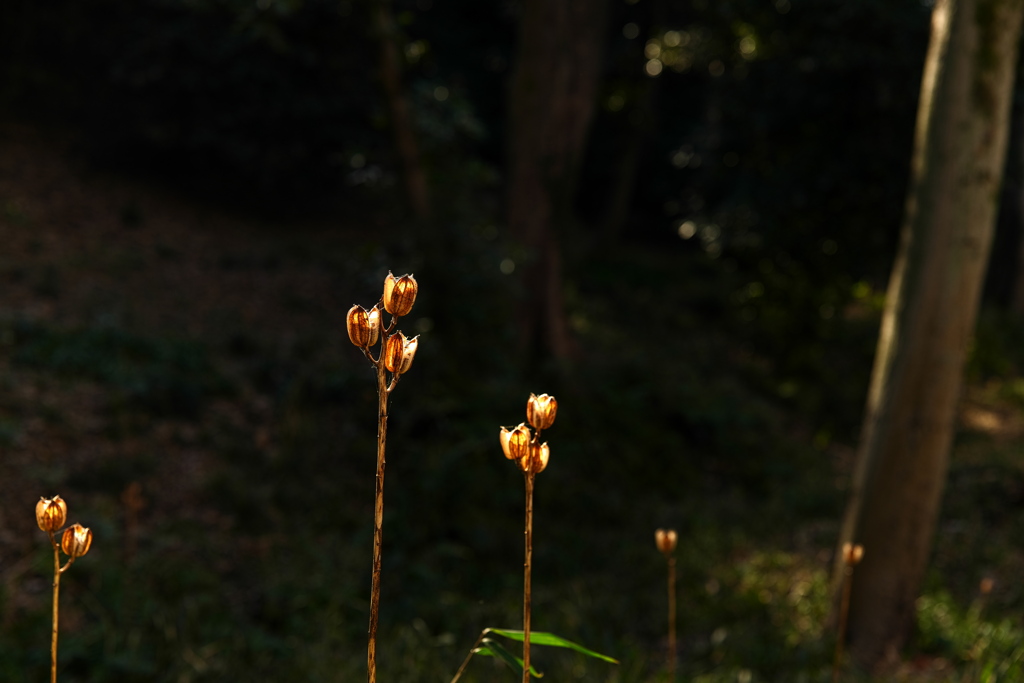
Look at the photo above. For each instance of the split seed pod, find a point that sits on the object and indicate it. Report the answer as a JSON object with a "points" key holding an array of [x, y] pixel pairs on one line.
{"points": [[399, 294], [76, 540], [852, 554], [539, 455], [540, 410], [363, 326], [665, 539], [399, 353], [515, 442], [51, 513]]}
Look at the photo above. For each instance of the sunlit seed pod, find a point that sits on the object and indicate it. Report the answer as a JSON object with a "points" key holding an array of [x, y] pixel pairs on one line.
{"points": [[986, 585], [505, 435], [665, 539], [76, 540], [540, 411], [539, 455], [51, 513], [515, 442], [399, 294], [408, 353], [852, 554], [399, 353], [394, 350], [363, 326]]}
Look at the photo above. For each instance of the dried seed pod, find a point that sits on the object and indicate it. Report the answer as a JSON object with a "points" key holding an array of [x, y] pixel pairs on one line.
{"points": [[665, 539], [852, 554], [363, 326], [399, 294], [76, 540], [539, 455], [399, 353], [515, 442], [51, 513], [540, 411]]}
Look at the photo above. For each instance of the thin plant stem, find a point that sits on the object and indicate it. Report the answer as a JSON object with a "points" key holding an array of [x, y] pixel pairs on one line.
{"points": [[672, 618], [378, 515], [526, 576], [465, 662], [844, 611], [56, 597]]}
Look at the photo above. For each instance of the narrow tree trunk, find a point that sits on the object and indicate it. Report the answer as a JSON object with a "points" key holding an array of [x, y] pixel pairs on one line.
{"points": [[551, 104], [931, 307], [402, 126]]}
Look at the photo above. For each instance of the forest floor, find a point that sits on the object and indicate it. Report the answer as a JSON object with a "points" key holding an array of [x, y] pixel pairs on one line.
{"points": [[180, 375]]}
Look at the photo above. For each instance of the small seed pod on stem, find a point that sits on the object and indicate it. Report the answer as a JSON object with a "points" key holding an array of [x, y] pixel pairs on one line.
{"points": [[541, 410], [521, 446], [665, 540], [395, 356], [852, 555], [51, 513], [363, 326], [399, 294]]}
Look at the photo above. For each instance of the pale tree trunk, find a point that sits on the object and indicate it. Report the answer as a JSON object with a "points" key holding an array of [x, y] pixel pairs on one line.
{"points": [[402, 125], [551, 105], [931, 307]]}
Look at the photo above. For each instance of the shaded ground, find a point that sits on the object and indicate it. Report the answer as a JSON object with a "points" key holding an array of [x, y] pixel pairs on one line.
{"points": [[180, 375]]}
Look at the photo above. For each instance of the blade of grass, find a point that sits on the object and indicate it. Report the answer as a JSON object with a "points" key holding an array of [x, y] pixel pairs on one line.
{"points": [[492, 648], [550, 639]]}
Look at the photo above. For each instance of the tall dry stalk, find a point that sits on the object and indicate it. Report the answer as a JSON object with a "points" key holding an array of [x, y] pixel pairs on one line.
{"points": [[524, 447], [51, 514], [395, 357], [666, 542], [852, 554]]}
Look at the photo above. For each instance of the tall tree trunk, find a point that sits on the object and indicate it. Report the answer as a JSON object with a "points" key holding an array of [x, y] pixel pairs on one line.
{"points": [[402, 127], [551, 105], [930, 313]]}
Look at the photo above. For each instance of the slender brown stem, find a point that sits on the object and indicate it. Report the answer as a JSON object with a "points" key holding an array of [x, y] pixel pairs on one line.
{"points": [[844, 610], [672, 618], [472, 651], [378, 516], [526, 577], [56, 596]]}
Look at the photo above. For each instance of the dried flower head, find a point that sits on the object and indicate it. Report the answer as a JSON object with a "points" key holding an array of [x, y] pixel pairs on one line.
{"points": [[363, 326], [539, 454], [399, 294], [515, 442], [540, 410], [399, 352], [665, 539], [76, 540], [852, 554], [51, 513]]}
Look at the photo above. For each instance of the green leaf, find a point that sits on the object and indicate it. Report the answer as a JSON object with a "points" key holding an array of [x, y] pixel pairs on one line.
{"points": [[542, 638], [492, 648]]}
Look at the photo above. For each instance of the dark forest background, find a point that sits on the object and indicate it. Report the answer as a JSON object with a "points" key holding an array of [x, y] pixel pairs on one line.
{"points": [[192, 194]]}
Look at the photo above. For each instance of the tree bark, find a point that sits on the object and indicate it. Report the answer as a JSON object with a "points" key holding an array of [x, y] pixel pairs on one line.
{"points": [[551, 105], [931, 307], [402, 126]]}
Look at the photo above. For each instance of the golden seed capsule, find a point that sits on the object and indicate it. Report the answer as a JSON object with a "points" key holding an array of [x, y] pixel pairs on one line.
{"points": [[852, 554], [399, 353], [515, 442], [539, 455], [363, 326], [51, 513], [399, 294], [540, 411], [665, 539], [76, 540]]}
